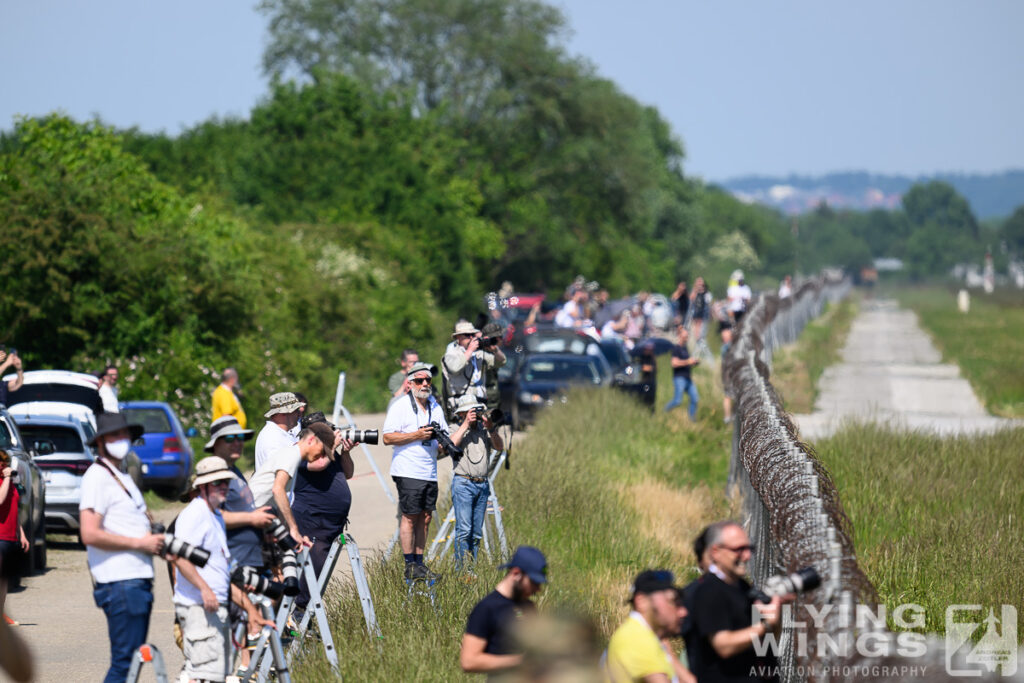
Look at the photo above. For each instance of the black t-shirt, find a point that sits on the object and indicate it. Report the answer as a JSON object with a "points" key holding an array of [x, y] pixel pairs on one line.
{"points": [[718, 606], [493, 619], [679, 351], [322, 500], [688, 629]]}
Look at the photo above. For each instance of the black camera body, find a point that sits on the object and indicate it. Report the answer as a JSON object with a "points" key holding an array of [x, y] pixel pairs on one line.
{"points": [[444, 440], [179, 548], [488, 342]]}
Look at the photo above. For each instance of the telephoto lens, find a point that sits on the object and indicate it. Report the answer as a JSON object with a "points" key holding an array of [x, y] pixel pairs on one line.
{"points": [[370, 436], [179, 548], [279, 532], [290, 571], [247, 576]]}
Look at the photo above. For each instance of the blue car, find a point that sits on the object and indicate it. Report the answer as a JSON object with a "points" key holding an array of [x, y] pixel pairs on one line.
{"points": [[164, 449]]}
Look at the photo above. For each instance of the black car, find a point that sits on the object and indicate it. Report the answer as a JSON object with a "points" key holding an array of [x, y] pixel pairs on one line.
{"points": [[30, 489], [542, 378]]}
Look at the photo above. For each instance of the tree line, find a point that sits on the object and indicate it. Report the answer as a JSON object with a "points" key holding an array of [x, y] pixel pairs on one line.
{"points": [[409, 156]]}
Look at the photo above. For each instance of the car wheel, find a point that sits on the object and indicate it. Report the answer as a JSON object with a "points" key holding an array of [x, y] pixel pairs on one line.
{"points": [[39, 551]]}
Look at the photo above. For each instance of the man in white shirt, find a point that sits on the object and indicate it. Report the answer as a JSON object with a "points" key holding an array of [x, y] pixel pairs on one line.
{"points": [[201, 594], [414, 463], [739, 295], [119, 546], [272, 482], [282, 418], [108, 389]]}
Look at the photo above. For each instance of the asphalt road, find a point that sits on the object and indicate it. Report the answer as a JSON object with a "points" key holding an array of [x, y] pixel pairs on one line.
{"points": [[891, 372], [67, 632]]}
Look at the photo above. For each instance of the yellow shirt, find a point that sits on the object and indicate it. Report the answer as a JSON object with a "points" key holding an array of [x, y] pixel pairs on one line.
{"points": [[635, 651], [226, 403]]}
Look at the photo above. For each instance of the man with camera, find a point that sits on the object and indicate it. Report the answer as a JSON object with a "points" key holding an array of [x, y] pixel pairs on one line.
{"points": [[322, 500], [721, 616], [470, 486], [413, 426], [9, 359], [466, 362], [115, 529], [278, 433], [273, 481], [201, 593]]}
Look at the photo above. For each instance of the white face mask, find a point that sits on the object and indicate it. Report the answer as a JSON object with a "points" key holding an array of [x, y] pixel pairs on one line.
{"points": [[118, 449]]}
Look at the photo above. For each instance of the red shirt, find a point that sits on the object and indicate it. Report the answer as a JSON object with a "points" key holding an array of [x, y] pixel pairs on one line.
{"points": [[9, 516]]}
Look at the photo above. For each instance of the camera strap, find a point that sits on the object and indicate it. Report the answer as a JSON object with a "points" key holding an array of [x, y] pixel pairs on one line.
{"points": [[100, 461]]}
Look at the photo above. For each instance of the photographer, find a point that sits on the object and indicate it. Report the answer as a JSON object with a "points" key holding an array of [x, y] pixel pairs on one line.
{"points": [[201, 594], [8, 360], [722, 613], [322, 501], [470, 487], [13, 542], [465, 363], [115, 529], [411, 426]]}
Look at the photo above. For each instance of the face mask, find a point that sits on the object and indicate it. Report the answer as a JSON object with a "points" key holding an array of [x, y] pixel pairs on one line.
{"points": [[118, 449]]}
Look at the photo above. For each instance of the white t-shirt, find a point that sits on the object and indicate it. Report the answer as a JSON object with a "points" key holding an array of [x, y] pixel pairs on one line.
{"points": [[739, 297], [123, 514], [262, 481], [414, 460], [272, 438], [568, 315], [109, 397], [199, 525]]}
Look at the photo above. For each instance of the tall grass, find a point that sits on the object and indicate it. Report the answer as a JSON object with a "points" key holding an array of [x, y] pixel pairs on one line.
{"points": [[797, 367], [937, 522], [987, 343], [604, 487]]}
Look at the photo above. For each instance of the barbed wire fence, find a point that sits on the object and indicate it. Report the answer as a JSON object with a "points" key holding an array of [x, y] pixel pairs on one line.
{"points": [[793, 513]]}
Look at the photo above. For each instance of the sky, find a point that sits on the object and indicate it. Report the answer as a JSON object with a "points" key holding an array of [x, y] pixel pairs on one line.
{"points": [[771, 87]]}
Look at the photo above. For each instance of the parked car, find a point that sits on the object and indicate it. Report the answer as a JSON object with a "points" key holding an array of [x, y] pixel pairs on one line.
{"points": [[59, 442], [30, 488], [164, 450], [71, 395], [543, 378]]}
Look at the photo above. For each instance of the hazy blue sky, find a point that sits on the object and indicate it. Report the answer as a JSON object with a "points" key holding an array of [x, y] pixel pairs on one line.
{"points": [[892, 86]]}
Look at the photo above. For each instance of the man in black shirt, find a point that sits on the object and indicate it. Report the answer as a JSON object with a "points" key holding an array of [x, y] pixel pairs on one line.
{"points": [[722, 614], [681, 380], [488, 643]]}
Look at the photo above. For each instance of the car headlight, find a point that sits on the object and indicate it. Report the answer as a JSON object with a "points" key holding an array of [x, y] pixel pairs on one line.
{"points": [[532, 399]]}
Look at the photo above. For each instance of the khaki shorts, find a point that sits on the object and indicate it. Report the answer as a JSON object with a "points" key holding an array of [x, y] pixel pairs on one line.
{"points": [[207, 641]]}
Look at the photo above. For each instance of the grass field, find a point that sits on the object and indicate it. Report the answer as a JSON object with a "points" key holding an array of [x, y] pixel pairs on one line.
{"points": [[987, 343], [603, 487], [797, 367], [938, 522]]}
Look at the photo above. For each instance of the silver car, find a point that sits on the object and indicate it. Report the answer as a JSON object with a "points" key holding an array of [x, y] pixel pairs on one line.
{"points": [[63, 457], [30, 487]]}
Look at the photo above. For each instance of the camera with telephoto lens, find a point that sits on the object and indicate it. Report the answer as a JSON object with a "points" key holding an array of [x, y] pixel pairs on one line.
{"points": [[289, 566], [179, 548], [489, 342], [247, 576], [370, 436], [279, 532], [443, 440], [800, 581]]}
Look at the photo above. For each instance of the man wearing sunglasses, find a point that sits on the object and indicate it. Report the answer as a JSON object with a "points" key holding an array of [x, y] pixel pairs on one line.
{"points": [[407, 427], [722, 613]]}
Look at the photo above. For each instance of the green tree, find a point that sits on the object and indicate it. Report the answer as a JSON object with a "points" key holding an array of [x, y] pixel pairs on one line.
{"points": [[1012, 231]]}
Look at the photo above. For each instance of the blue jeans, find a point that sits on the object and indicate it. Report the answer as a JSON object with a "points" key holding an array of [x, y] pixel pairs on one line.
{"points": [[684, 385], [469, 498], [127, 605]]}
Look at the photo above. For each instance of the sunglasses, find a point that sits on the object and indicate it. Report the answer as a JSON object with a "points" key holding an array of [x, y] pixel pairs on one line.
{"points": [[421, 380], [739, 549], [232, 438]]}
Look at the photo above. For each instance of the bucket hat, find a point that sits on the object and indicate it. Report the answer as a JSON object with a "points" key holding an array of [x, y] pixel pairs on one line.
{"points": [[211, 469], [226, 425], [464, 328], [108, 423], [284, 402]]}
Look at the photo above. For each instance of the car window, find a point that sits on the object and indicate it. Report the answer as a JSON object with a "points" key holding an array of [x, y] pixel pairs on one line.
{"points": [[567, 370], [153, 420], [65, 439], [6, 438]]}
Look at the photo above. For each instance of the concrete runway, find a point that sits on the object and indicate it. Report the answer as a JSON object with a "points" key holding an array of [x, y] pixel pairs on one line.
{"points": [[891, 373], [68, 633]]}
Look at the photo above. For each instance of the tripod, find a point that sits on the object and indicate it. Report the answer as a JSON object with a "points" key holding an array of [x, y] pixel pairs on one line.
{"points": [[316, 608], [444, 539], [147, 653], [270, 639]]}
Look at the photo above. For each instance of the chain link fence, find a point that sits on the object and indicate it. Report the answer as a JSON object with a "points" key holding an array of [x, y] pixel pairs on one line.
{"points": [[792, 512]]}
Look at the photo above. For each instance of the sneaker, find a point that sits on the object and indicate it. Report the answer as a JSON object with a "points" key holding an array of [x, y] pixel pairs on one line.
{"points": [[421, 571], [410, 571], [727, 420]]}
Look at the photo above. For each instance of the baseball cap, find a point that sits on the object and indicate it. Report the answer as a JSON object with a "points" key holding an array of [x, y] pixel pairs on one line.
{"points": [[531, 561]]}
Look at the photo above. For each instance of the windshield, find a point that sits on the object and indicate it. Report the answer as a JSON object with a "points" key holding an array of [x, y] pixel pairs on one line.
{"points": [[57, 393], [561, 370], [153, 420], [65, 439], [540, 343], [6, 438]]}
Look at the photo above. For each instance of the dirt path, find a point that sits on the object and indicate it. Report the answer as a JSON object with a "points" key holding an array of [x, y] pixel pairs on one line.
{"points": [[67, 632], [891, 372]]}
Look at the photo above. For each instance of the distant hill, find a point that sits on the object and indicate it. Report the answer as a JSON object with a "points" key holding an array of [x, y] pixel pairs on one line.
{"points": [[990, 196]]}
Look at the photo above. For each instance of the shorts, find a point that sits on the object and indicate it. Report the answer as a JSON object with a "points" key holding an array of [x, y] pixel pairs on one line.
{"points": [[12, 559], [416, 495], [206, 638]]}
